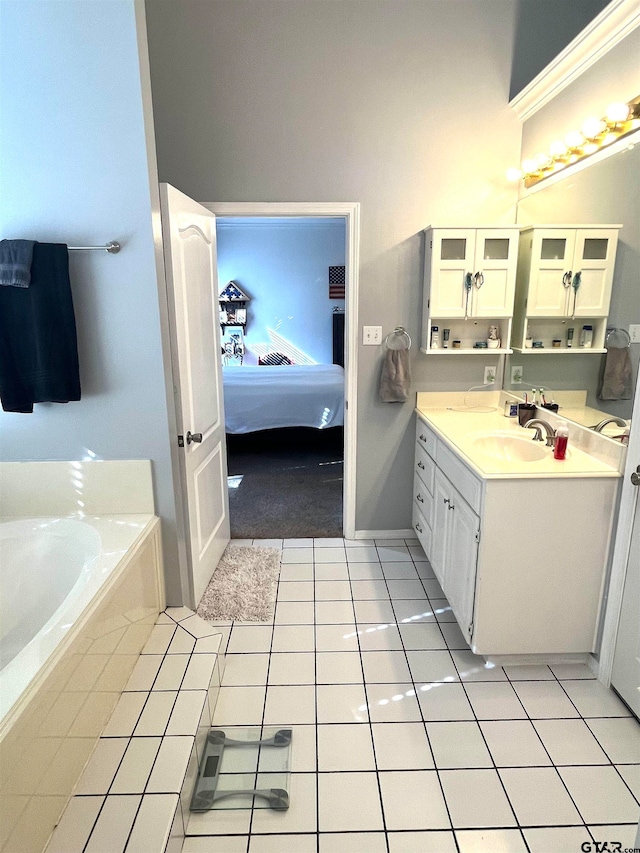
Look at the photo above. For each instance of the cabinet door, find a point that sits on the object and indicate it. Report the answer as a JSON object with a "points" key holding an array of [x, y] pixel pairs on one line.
{"points": [[461, 561], [595, 256], [552, 256], [439, 525], [496, 257], [452, 256]]}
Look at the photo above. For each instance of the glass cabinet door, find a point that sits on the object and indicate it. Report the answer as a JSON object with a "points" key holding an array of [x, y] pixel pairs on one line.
{"points": [[494, 274], [452, 255], [595, 255], [552, 268]]}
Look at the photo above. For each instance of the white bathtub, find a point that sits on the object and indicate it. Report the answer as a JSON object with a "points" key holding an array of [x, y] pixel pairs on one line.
{"points": [[78, 599]]}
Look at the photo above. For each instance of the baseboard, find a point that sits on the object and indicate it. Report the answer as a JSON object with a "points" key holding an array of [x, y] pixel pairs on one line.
{"points": [[407, 533]]}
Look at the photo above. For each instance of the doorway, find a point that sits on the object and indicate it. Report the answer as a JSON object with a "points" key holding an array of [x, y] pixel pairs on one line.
{"points": [[292, 465]]}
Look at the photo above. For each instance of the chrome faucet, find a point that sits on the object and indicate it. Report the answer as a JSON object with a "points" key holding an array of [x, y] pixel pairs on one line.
{"points": [[537, 423], [617, 421]]}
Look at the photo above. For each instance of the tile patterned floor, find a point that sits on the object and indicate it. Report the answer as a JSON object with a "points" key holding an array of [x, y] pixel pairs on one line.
{"points": [[404, 741]]}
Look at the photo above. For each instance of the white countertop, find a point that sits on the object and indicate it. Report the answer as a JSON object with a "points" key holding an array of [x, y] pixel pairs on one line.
{"points": [[457, 426]]}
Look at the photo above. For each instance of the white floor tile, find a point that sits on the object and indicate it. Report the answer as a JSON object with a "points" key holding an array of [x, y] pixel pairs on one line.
{"points": [[297, 543], [287, 705], [239, 706], [369, 590], [240, 543], [199, 627], [545, 699], [170, 766], [514, 743], [125, 715], [76, 823], [424, 570], [337, 793], [458, 745], [494, 700], [425, 842], [389, 543], [338, 668], [329, 542], [159, 640], [446, 702], [352, 842], [569, 742], [394, 554], [171, 672], [114, 825], [378, 638], [304, 843], [330, 555], [296, 572], [362, 554], [250, 638], [624, 834], [432, 588], [135, 769], [216, 844], [179, 613], [454, 637], [495, 840], [432, 666], [336, 638], [593, 699], [217, 822], [419, 636], [365, 571], [416, 552], [538, 797], [268, 543], [359, 543], [245, 670], [476, 799], [199, 673], [345, 747], [301, 814], [392, 703], [153, 823], [473, 667], [294, 613], [296, 591], [144, 673], [572, 670], [333, 591], [293, 638], [413, 800], [214, 644], [103, 765], [385, 667], [412, 589], [600, 794], [288, 668], [331, 572], [303, 752], [334, 613], [442, 610], [374, 612], [529, 672], [631, 775], [187, 712], [401, 746], [297, 555], [559, 839], [619, 737], [155, 714], [341, 703], [408, 612]]}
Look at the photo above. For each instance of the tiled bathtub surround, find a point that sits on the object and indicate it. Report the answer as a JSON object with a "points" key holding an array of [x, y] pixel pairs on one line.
{"points": [[136, 787]]}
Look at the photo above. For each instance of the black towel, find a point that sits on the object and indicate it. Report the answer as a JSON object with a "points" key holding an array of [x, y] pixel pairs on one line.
{"points": [[38, 346]]}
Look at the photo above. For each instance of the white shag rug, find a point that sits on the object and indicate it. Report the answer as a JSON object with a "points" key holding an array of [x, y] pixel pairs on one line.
{"points": [[243, 586]]}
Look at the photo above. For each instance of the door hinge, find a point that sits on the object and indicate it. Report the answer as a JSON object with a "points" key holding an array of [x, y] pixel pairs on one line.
{"points": [[346, 404], [477, 536], [470, 629], [180, 441]]}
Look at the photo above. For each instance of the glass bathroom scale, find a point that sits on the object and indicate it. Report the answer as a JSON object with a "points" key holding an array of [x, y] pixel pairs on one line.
{"points": [[244, 768]]}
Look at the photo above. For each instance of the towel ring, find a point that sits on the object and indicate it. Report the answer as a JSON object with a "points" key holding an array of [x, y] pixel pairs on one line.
{"points": [[401, 338], [613, 331]]}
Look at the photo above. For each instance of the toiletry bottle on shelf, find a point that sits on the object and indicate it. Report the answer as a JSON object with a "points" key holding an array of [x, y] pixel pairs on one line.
{"points": [[435, 337], [586, 337], [569, 338], [445, 338], [560, 443]]}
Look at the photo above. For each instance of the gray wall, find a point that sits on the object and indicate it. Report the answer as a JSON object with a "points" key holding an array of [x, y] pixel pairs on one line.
{"points": [[73, 169], [399, 105]]}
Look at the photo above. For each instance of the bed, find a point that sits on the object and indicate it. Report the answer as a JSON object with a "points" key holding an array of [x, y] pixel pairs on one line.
{"points": [[292, 395]]}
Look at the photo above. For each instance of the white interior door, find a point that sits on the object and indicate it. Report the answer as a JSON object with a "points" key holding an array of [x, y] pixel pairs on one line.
{"points": [[189, 236], [625, 676]]}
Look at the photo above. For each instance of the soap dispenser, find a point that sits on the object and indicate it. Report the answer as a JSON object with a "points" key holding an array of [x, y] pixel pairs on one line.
{"points": [[560, 443]]}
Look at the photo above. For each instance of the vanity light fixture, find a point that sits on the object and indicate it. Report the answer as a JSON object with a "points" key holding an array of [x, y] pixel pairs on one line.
{"points": [[595, 134]]}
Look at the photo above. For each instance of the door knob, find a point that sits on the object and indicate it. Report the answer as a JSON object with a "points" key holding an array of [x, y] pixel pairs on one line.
{"points": [[635, 477], [195, 437]]}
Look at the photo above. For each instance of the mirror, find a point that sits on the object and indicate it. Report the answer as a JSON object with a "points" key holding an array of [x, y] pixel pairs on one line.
{"points": [[605, 193]]}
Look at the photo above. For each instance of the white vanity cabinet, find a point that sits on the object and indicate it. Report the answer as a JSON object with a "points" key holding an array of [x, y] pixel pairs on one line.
{"points": [[565, 274], [522, 560], [469, 284]]}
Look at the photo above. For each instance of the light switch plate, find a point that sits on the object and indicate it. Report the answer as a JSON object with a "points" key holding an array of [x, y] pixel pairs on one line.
{"points": [[371, 335], [634, 333]]}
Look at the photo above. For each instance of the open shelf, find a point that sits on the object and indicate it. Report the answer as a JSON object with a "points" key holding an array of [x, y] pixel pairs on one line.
{"points": [[555, 350], [467, 351]]}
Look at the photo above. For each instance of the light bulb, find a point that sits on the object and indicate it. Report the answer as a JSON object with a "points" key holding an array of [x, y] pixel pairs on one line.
{"points": [[529, 166], [513, 175], [593, 127], [558, 148], [617, 112], [574, 139], [542, 160]]}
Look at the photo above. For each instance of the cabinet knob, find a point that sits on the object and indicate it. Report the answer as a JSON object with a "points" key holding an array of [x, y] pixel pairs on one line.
{"points": [[419, 498], [421, 465], [423, 437], [446, 500], [418, 528], [451, 506]]}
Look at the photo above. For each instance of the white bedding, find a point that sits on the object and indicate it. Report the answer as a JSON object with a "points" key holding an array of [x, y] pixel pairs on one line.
{"points": [[288, 395]]}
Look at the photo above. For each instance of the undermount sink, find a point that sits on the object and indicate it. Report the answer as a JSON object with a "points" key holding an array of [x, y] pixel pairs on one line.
{"points": [[510, 448]]}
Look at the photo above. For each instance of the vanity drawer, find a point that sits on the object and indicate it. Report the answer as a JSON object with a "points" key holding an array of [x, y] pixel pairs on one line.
{"points": [[423, 499], [464, 480], [425, 467], [426, 439], [422, 529]]}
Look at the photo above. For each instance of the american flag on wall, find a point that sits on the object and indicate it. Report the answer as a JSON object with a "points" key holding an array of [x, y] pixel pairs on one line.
{"points": [[336, 282]]}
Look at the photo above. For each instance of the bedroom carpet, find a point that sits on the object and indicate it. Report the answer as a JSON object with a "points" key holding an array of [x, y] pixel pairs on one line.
{"points": [[285, 483]]}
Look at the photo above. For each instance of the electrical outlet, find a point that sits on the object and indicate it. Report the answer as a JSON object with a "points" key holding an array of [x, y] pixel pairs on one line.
{"points": [[516, 375], [634, 333], [489, 375], [371, 335]]}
